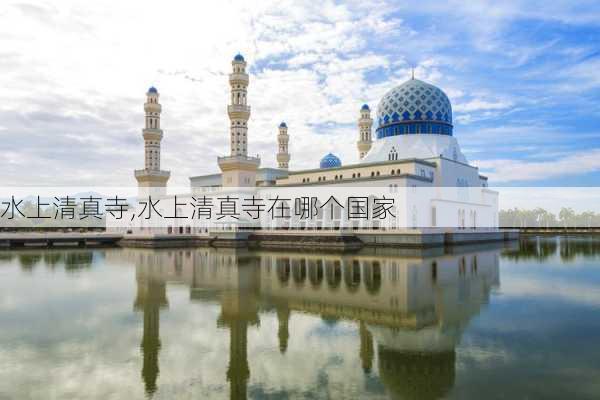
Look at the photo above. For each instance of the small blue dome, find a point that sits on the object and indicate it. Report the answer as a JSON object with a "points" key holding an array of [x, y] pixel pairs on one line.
{"points": [[152, 90], [330, 161], [365, 107], [283, 125], [238, 57]]}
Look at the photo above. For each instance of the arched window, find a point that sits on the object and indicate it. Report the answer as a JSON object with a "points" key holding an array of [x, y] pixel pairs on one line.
{"points": [[372, 274], [352, 276], [393, 154], [333, 272]]}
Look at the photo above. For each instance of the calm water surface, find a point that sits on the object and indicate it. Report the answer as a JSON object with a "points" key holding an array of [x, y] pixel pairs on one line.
{"points": [[490, 321]]}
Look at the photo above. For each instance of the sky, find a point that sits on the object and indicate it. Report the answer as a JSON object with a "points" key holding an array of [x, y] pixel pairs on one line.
{"points": [[523, 78]]}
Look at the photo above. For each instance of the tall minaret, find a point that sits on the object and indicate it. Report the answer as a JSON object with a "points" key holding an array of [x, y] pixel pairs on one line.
{"points": [[283, 155], [365, 123], [239, 169], [152, 176]]}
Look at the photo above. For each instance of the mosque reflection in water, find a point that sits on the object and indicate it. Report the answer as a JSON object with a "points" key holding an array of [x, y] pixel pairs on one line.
{"points": [[410, 309]]}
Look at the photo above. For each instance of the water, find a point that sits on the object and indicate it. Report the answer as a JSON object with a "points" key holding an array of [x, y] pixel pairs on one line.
{"points": [[487, 321]]}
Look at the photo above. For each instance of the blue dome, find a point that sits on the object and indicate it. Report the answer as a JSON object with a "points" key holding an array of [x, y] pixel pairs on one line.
{"points": [[330, 161], [365, 107], [152, 90], [414, 107], [283, 125], [238, 57]]}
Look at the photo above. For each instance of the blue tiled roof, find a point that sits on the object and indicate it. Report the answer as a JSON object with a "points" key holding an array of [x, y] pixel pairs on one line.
{"points": [[330, 161], [414, 102]]}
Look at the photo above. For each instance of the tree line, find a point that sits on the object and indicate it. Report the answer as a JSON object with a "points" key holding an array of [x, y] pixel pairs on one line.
{"points": [[540, 218]]}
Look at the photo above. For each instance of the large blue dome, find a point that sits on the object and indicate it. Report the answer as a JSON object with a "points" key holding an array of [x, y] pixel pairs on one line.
{"points": [[152, 90], [414, 107], [330, 161], [238, 57]]}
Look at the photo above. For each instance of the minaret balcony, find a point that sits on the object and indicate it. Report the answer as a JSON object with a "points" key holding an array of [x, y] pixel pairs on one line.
{"points": [[240, 78], [238, 162], [150, 172], [238, 110], [152, 133], [152, 107]]}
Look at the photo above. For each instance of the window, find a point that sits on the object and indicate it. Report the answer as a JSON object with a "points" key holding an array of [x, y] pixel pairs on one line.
{"points": [[393, 154]]}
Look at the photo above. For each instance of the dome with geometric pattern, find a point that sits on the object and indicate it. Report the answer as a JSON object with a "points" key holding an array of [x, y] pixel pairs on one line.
{"points": [[330, 161], [414, 107]]}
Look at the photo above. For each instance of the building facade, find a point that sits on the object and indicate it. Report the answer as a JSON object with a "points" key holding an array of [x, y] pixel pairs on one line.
{"points": [[412, 155]]}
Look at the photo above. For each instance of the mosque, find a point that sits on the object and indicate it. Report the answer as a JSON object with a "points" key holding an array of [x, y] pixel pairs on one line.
{"points": [[414, 147]]}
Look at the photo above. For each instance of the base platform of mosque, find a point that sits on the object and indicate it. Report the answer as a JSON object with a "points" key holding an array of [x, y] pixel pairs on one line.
{"points": [[319, 240]]}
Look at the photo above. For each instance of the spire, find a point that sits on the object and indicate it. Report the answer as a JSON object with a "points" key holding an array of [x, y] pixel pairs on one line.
{"points": [[365, 123], [238, 169], [152, 176], [412, 73], [238, 110], [283, 155]]}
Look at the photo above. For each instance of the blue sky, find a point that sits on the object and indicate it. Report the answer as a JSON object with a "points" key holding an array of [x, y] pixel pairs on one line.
{"points": [[523, 78]]}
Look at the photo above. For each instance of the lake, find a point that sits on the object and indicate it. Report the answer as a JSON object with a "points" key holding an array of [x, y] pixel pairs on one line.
{"points": [[510, 320]]}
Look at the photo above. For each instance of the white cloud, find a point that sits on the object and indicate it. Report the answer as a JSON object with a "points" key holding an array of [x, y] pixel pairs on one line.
{"points": [[507, 170], [481, 104], [73, 77]]}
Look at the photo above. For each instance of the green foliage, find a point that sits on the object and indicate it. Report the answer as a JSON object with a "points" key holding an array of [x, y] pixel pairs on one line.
{"points": [[540, 218]]}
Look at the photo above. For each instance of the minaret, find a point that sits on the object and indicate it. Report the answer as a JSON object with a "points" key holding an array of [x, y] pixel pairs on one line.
{"points": [[152, 176], [283, 155], [151, 298], [238, 169], [283, 333], [365, 123], [366, 348]]}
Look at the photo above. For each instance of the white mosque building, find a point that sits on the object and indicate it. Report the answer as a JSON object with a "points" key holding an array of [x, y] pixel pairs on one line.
{"points": [[413, 147]]}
